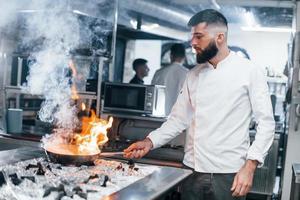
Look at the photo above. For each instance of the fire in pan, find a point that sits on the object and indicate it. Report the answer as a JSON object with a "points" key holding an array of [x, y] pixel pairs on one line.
{"points": [[83, 148]]}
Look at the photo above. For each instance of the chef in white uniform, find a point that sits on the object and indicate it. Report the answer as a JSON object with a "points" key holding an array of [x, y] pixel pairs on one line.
{"points": [[217, 101]]}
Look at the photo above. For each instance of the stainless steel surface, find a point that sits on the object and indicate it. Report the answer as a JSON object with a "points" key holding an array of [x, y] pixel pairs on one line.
{"points": [[153, 185], [19, 75], [295, 188], [100, 69], [149, 8], [19, 154], [256, 3], [296, 172], [19, 90], [265, 177], [150, 187], [114, 41], [15, 140], [293, 138]]}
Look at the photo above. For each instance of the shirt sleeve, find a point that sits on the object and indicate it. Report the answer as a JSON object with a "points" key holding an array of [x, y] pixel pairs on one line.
{"points": [[263, 114], [178, 120]]}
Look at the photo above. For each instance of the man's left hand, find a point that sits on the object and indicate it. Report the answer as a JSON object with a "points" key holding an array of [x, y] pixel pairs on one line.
{"points": [[243, 179]]}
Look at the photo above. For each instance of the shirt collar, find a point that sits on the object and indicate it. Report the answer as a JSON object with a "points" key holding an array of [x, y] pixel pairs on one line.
{"points": [[225, 60]]}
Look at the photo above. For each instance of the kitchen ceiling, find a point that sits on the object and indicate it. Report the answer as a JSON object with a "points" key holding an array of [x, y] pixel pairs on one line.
{"points": [[175, 13], [171, 14]]}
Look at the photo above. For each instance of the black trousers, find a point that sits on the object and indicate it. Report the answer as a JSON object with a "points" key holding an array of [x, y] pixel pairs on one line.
{"points": [[208, 186]]}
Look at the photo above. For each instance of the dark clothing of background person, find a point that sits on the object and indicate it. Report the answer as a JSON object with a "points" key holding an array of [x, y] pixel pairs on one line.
{"points": [[136, 80]]}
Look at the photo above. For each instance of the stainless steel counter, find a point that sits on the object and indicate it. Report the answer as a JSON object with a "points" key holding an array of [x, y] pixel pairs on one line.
{"points": [[150, 187], [295, 186], [296, 172]]}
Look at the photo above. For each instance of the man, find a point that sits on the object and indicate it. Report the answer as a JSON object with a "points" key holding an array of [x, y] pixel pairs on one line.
{"points": [[141, 69], [216, 102], [172, 76]]}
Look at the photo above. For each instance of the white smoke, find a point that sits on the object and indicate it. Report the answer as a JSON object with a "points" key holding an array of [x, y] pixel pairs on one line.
{"points": [[51, 30], [58, 29], [8, 13]]}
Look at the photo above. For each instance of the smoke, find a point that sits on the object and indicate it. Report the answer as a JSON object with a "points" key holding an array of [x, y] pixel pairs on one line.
{"points": [[54, 29], [58, 30], [49, 31], [8, 11]]}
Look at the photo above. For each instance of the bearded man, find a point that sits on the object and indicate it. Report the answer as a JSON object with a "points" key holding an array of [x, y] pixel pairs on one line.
{"points": [[216, 103]]}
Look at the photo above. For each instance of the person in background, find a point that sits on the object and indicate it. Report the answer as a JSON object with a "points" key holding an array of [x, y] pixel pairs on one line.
{"points": [[216, 102], [172, 76], [141, 69]]}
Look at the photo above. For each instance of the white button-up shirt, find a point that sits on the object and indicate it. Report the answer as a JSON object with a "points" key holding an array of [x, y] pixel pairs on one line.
{"points": [[216, 105], [172, 77]]}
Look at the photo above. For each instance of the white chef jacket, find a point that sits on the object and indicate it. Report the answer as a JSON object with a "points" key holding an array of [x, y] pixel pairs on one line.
{"points": [[171, 76], [217, 105]]}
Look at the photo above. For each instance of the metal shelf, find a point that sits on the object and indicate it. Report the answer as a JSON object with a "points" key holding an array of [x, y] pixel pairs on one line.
{"points": [[18, 90]]}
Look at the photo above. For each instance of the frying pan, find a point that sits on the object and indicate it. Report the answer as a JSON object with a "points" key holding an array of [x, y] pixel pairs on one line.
{"points": [[73, 158], [67, 154]]}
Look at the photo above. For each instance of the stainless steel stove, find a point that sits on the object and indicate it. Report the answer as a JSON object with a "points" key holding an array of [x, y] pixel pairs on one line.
{"points": [[39, 179]]}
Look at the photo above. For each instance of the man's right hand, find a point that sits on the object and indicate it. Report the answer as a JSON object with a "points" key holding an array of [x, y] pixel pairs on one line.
{"points": [[138, 149]]}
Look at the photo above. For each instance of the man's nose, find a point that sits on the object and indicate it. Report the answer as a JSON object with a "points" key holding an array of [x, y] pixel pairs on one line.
{"points": [[193, 42], [193, 45]]}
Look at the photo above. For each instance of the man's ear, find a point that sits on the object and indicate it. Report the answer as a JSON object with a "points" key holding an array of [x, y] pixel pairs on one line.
{"points": [[220, 38]]}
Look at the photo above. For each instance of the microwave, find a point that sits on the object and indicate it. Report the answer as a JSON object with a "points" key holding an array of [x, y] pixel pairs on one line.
{"points": [[137, 99]]}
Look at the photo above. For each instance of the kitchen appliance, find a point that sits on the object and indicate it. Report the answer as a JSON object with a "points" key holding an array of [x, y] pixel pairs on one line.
{"points": [[27, 175], [295, 186], [147, 100]]}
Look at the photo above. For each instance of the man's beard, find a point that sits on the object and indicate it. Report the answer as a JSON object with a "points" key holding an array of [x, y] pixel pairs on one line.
{"points": [[208, 53]]}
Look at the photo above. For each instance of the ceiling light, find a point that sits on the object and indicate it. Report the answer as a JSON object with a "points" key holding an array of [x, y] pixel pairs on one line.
{"points": [[27, 11], [145, 27], [250, 19], [80, 13], [149, 26]]}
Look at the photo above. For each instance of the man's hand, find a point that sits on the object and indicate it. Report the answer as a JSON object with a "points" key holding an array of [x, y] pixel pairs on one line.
{"points": [[243, 179], [138, 149]]}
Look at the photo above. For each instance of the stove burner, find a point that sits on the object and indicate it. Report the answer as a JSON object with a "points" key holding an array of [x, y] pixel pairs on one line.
{"points": [[39, 179], [131, 164], [40, 170], [106, 178], [91, 177], [60, 189], [2, 179], [14, 179]]}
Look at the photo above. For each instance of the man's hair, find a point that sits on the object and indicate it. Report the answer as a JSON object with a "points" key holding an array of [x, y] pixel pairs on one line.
{"points": [[178, 50], [210, 16], [138, 62]]}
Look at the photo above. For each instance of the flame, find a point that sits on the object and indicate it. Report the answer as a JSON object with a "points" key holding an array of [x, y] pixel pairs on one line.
{"points": [[93, 134], [74, 74], [83, 107]]}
